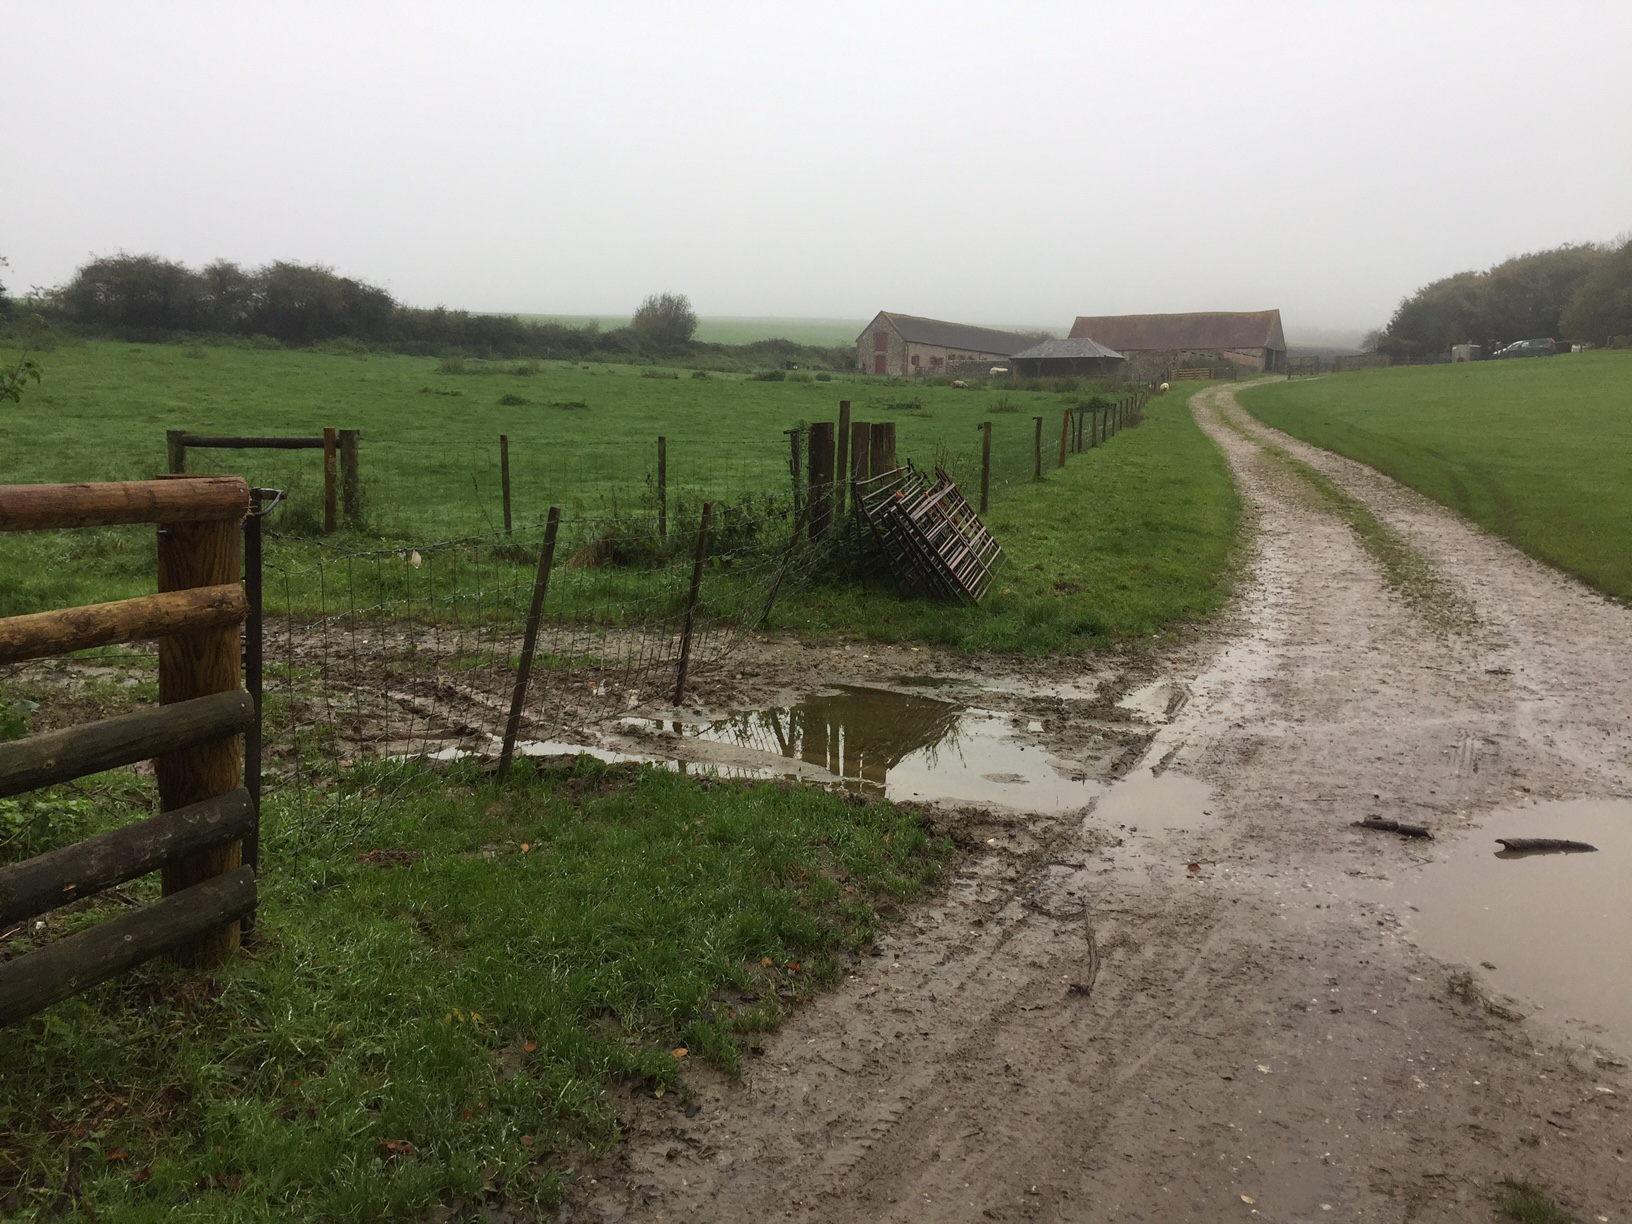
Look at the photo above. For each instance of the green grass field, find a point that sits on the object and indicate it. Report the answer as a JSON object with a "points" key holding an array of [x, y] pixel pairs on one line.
{"points": [[449, 986], [1127, 539], [1536, 451]]}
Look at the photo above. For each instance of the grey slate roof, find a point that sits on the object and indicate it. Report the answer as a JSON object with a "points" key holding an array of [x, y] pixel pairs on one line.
{"points": [[1079, 346], [1211, 330], [951, 335]]}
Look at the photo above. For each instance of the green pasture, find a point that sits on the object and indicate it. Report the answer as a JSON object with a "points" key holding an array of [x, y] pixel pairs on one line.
{"points": [[451, 984], [1537, 451], [1128, 538]]}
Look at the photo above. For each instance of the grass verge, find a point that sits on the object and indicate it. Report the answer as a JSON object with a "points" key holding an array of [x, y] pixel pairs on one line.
{"points": [[1523, 1202], [1535, 451], [449, 982]]}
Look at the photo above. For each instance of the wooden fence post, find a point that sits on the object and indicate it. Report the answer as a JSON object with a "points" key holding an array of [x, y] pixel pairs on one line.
{"points": [[529, 640], [820, 500], [253, 680], [861, 455], [1065, 435], [1037, 461], [197, 664], [662, 487], [985, 466], [882, 446], [691, 603], [351, 482], [330, 502], [841, 462], [504, 477], [176, 450]]}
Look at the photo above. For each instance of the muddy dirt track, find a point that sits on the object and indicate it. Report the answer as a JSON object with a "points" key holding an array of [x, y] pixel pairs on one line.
{"points": [[1083, 1027]]}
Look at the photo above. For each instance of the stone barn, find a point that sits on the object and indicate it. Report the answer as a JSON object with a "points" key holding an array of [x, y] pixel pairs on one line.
{"points": [[1081, 358], [1157, 344], [905, 345]]}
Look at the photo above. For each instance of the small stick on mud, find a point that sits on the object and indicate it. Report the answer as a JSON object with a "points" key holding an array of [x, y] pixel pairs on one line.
{"points": [[1383, 825], [1540, 844]]}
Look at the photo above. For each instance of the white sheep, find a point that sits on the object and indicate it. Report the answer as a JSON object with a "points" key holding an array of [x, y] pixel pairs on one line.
{"points": [[1162, 390]]}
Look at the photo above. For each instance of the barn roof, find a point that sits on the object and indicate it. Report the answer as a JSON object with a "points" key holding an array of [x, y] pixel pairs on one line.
{"points": [[1079, 346], [952, 335], [1208, 330]]}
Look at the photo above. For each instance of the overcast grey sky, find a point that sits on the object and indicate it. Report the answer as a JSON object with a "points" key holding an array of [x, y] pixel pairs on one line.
{"points": [[985, 162]]}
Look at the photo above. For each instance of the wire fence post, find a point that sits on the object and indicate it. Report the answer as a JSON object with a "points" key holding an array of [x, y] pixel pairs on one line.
{"points": [[841, 462], [253, 682], [504, 477], [529, 641], [796, 472], [351, 484], [330, 503], [1065, 434], [1037, 458], [662, 487], [691, 599], [985, 466]]}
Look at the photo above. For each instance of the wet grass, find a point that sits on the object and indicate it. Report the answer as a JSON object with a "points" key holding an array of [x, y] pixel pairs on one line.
{"points": [[450, 983], [1521, 1201], [1405, 570], [1126, 541], [1535, 451]]}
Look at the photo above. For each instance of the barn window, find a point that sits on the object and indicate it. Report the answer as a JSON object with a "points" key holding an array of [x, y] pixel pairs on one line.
{"points": [[915, 359], [881, 342]]}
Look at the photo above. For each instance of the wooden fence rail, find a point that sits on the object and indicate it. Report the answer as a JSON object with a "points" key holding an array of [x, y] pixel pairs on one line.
{"points": [[193, 738], [342, 489]]}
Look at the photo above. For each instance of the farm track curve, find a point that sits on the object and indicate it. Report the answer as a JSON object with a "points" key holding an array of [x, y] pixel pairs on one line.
{"points": [[1080, 1027]]}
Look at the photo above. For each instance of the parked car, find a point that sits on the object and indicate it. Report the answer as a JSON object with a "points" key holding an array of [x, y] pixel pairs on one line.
{"points": [[1529, 348]]}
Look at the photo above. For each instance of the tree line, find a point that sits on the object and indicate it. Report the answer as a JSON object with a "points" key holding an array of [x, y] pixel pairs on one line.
{"points": [[149, 298], [1581, 293]]}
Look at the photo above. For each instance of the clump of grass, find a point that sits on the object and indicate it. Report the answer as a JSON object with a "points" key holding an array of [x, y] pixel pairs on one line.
{"points": [[513, 401], [439, 391], [1523, 1202], [659, 373], [448, 978], [1003, 405], [699, 374], [452, 365], [771, 376], [569, 404]]}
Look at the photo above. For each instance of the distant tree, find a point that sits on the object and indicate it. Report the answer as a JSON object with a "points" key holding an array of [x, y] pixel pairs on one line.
{"points": [[664, 321], [1601, 310], [306, 303], [5, 299], [228, 297], [1519, 298], [1372, 340], [134, 292]]}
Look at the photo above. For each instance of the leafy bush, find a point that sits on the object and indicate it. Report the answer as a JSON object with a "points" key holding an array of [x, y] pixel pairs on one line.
{"points": [[659, 374], [699, 373], [452, 365], [771, 376]]}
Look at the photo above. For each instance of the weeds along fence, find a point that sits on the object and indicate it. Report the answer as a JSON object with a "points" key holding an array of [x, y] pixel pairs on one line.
{"points": [[204, 840]]}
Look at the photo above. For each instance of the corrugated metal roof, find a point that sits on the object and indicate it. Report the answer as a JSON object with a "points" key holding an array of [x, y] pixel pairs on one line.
{"points": [[1080, 346], [1210, 330], [951, 335]]}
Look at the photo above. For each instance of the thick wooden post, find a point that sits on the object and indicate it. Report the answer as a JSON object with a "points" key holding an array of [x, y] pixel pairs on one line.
{"points": [[1065, 435], [861, 451], [841, 462], [985, 466], [330, 503], [529, 640], [1037, 459], [691, 603], [351, 481], [176, 450], [821, 479], [504, 477], [662, 487], [881, 446], [197, 664]]}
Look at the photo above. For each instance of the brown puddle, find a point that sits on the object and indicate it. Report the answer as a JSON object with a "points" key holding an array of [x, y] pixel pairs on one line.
{"points": [[1556, 926], [905, 746]]}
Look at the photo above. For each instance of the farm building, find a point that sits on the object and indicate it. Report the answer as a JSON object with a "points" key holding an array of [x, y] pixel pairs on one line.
{"points": [[907, 345], [1081, 358], [1156, 345]]}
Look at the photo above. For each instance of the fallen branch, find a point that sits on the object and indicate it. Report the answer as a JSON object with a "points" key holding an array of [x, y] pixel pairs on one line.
{"points": [[1541, 843], [1383, 825]]}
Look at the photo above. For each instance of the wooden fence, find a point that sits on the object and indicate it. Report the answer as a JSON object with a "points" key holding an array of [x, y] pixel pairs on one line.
{"points": [[204, 841], [341, 444]]}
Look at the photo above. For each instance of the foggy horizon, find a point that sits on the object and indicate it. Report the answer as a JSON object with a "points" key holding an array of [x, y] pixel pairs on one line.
{"points": [[1013, 165]]}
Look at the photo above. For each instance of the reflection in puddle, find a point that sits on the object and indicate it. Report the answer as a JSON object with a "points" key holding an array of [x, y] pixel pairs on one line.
{"points": [[1557, 927], [1143, 800], [906, 746]]}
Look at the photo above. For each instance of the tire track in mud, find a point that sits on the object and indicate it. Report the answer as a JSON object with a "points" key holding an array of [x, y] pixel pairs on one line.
{"points": [[1260, 1027]]}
